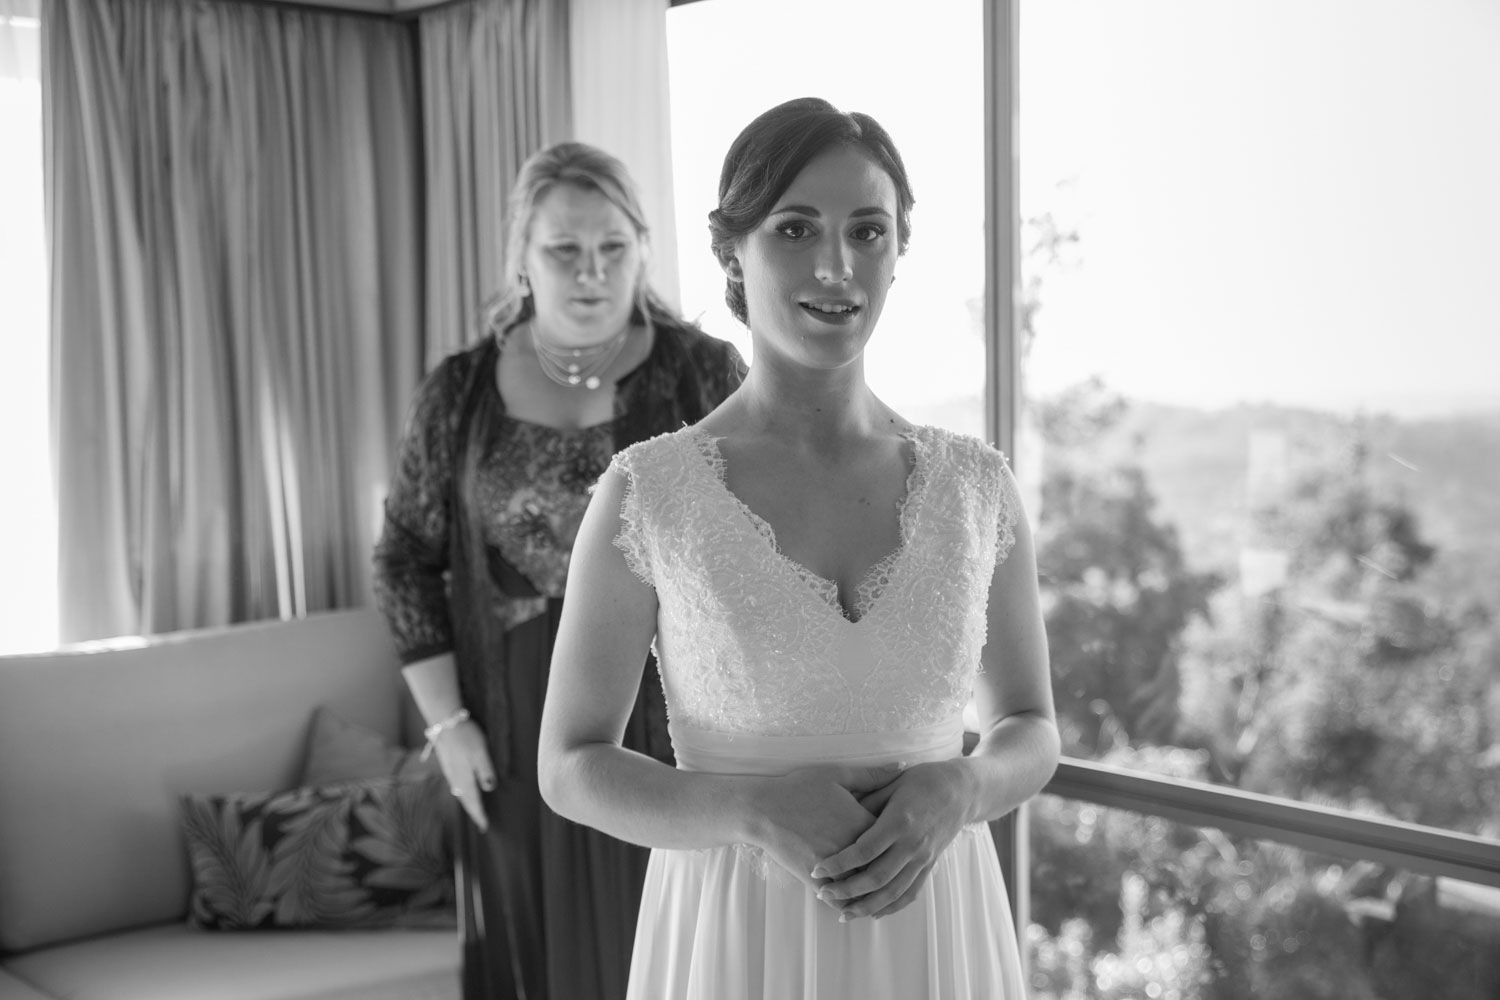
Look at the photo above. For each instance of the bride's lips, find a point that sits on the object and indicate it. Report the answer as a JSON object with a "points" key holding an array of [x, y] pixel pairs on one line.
{"points": [[833, 311]]}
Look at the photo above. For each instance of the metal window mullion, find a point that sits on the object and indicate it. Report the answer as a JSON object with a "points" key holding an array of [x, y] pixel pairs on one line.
{"points": [[1002, 384]]}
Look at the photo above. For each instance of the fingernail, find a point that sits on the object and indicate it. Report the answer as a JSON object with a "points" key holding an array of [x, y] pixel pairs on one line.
{"points": [[820, 872], [825, 895], [844, 918]]}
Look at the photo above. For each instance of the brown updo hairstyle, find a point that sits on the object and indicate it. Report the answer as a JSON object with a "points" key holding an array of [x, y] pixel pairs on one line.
{"points": [[587, 168], [769, 154]]}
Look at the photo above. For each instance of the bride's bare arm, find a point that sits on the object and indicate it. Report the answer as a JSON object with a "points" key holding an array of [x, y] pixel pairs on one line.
{"points": [[608, 621]]}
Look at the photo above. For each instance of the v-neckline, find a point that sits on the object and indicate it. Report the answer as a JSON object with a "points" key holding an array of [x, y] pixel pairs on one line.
{"points": [[825, 589]]}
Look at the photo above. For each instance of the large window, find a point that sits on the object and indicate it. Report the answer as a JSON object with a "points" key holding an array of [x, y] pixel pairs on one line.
{"points": [[1263, 390], [927, 358], [1261, 394]]}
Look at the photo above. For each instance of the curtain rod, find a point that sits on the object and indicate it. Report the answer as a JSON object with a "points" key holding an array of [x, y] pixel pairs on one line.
{"points": [[312, 7]]}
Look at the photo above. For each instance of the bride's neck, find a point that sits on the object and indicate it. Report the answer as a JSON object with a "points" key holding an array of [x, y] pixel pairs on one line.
{"points": [[818, 409]]}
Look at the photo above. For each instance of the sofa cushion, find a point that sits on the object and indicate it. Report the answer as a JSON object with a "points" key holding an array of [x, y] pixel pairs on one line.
{"points": [[368, 853], [176, 962], [97, 743], [340, 750]]}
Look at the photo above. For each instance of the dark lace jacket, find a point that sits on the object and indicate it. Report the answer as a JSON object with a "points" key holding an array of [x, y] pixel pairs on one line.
{"points": [[436, 579]]}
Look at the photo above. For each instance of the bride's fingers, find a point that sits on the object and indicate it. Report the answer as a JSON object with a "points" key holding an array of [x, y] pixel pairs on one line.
{"points": [[907, 896], [861, 780], [843, 893], [875, 801], [891, 880], [871, 844]]}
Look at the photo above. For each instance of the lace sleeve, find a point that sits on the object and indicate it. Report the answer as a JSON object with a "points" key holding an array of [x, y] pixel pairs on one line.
{"points": [[411, 555], [1007, 509], [632, 537]]}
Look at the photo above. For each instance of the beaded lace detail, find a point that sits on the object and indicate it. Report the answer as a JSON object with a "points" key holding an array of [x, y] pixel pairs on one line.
{"points": [[875, 578], [748, 641]]}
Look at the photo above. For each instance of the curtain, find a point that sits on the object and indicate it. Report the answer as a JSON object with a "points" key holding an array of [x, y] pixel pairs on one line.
{"points": [[233, 204], [495, 89], [621, 103]]}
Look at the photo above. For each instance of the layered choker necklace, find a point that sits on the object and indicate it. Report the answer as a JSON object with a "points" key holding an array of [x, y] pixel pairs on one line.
{"points": [[577, 367]]}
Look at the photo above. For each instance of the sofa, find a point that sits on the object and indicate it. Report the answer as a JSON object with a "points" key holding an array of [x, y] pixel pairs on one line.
{"points": [[98, 745]]}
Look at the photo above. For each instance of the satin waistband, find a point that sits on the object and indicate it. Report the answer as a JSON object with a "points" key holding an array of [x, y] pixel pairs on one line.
{"points": [[742, 753]]}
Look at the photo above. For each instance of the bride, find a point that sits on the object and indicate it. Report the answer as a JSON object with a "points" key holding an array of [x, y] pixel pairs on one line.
{"points": [[826, 586]]}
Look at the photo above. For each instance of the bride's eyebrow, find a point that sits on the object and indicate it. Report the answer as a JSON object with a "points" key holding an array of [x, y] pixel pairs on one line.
{"points": [[808, 210]]}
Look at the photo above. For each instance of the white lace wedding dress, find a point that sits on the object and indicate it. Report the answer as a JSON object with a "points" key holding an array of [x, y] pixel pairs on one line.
{"points": [[764, 673]]}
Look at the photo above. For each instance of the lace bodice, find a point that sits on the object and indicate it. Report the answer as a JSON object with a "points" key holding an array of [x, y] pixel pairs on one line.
{"points": [[750, 642]]}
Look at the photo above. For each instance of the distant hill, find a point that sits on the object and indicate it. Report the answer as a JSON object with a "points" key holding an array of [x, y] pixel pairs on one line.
{"points": [[1447, 469]]}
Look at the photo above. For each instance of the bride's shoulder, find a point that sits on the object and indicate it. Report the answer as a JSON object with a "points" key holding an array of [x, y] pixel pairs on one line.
{"points": [[666, 450], [963, 451]]}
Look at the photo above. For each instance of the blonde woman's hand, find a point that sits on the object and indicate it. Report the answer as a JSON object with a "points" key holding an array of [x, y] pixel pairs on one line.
{"points": [[885, 867], [464, 755]]}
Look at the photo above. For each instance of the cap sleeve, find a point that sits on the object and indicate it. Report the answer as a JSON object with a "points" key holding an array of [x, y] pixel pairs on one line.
{"points": [[1007, 508], [631, 539]]}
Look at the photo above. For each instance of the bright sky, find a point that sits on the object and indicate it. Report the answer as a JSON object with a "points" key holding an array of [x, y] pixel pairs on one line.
{"points": [[1278, 200], [927, 348]]}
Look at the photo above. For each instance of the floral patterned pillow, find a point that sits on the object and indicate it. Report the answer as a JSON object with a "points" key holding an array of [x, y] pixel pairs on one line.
{"points": [[358, 854]]}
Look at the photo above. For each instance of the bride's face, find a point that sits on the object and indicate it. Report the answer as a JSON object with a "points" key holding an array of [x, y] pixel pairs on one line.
{"points": [[817, 268]]}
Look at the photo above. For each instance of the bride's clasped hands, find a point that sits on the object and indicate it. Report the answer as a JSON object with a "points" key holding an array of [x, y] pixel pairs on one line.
{"points": [[916, 816], [864, 838], [814, 812]]}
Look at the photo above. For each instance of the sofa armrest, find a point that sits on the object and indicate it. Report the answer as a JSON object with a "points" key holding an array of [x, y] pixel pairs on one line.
{"points": [[15, 988]]}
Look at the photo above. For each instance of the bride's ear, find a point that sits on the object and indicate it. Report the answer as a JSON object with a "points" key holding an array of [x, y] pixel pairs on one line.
{"points": [[732, 268]]}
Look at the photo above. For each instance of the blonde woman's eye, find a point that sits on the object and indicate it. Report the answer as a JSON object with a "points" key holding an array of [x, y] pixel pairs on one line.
{"points": [[615, 249], [564, 251]]}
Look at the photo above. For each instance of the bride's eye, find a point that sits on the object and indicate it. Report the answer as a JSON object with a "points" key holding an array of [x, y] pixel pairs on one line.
{"points": [[793, 230]]}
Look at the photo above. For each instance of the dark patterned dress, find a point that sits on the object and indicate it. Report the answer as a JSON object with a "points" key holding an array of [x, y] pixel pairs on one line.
{"points": [[480, 522]]}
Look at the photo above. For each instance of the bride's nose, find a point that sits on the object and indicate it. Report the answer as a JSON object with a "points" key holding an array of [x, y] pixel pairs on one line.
{"points": [[831, 265]]}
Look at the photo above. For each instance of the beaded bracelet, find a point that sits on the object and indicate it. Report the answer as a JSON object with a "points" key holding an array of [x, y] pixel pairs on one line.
{"points": [[437, 729]]}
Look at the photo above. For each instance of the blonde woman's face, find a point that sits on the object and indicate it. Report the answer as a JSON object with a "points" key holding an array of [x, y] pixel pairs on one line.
{"points": [[583, 260]]}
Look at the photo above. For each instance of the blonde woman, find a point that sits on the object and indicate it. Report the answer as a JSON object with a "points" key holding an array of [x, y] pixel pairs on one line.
{"points": [[504, 440]]}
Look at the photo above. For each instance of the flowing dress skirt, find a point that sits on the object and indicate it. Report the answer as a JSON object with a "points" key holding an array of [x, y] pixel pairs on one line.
{"points": [[547, 907], [729, 924]]}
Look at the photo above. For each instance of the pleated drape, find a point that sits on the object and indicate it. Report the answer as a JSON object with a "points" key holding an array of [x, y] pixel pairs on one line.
{"points": [[621, 102], [495, 89], [233, 198]]}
